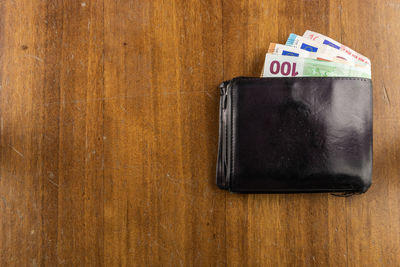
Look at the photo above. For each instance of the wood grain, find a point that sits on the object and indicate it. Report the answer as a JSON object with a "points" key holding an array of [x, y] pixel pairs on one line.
{"points": [[109, 124]]}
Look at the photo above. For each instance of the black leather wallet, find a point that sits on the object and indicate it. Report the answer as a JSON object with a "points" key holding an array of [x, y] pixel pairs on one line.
{"points": [[292, 135]]}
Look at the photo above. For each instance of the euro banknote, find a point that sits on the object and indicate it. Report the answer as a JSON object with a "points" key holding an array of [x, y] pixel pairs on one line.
{"points": [[297, 41], [289, 66], [322, 39], [285, 50]]}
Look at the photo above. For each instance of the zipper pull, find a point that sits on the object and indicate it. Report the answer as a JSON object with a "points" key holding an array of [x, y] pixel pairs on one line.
{"points": [[224, 93]]}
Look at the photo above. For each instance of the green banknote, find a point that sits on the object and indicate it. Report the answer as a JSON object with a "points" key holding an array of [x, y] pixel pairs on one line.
{"points": [[290, 66]]}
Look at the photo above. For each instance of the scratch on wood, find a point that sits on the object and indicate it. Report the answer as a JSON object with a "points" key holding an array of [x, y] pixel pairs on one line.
{"points": [[52, 182], [386, 94], [124, 109], [208, 94], [16, 151], [35, 57]]}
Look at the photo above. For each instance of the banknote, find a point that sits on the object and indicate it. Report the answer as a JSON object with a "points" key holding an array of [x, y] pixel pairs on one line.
{"points": [[280, 49], [289, 66], [285, 50], [297, 41], [322, 39]]}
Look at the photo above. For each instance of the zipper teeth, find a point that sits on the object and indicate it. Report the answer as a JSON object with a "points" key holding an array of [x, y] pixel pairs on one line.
{"points": [[227, 176], [222, 170], [225, 134]]}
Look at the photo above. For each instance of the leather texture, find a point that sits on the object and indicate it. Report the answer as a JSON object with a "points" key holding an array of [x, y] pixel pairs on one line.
{"points": [[288, 135]]}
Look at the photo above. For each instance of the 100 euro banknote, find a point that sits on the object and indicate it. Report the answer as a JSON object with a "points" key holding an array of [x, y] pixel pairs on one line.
{"points": [[289, 66]]}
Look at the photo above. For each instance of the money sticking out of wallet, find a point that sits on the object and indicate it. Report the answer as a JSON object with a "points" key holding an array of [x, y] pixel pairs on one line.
{"points": [[314, 55], [304, 128]]}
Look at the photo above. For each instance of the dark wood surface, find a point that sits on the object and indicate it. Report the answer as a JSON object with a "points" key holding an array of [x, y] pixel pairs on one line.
{"points": [[109, 123]]}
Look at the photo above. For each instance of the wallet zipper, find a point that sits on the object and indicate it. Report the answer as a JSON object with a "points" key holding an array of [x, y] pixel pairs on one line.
{"points": [[222, 176]]}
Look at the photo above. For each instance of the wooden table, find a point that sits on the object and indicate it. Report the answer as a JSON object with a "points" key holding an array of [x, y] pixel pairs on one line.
{"points": [[109, 124]]}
